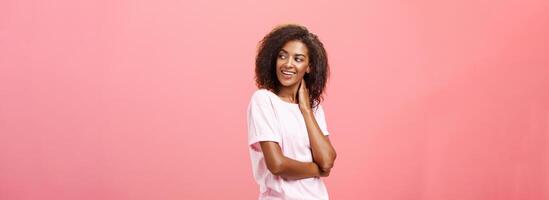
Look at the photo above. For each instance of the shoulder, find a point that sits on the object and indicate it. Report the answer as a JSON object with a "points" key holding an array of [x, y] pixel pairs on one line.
{"points": [[261, 96], [319, 110], [261, 93]]}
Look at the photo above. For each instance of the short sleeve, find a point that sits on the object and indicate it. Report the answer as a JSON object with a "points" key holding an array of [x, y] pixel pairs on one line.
{"points": [[262, 123], [321, 120]]}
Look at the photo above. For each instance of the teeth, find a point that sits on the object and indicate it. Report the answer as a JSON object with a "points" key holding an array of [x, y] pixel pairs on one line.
{"points": [[288, 73]]}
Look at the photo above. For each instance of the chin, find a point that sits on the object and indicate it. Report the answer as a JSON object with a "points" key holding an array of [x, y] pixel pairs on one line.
{"points": [[288, 83]]}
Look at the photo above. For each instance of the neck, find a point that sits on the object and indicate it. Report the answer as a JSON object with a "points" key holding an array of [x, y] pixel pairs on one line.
{"points": [[288, 93]]}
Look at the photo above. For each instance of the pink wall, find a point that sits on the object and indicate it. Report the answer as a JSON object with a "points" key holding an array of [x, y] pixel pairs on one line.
{"points": [[146, 99]]}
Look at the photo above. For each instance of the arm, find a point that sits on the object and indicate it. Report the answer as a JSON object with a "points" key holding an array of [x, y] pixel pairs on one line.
{"points": [[323, 152], [280, 165]]}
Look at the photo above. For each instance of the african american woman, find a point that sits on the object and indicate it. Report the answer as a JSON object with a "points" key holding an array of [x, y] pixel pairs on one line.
{"points": [[287, 132]]}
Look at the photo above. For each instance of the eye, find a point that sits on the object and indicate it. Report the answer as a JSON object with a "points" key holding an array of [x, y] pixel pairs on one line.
{"points": [[281, 56], [299, 59]]}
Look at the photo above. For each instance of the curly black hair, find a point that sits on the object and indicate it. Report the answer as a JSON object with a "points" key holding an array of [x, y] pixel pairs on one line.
{"points": [[272, 43]]}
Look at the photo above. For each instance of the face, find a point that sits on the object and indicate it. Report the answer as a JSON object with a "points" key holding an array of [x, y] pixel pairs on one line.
{"points": [[292, 63]]}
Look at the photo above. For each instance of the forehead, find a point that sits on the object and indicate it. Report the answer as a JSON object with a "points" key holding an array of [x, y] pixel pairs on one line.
{"points": [[295, 47]]}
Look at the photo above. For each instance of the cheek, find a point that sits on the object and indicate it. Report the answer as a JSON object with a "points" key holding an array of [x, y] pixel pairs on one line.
{"points": [[278, 65], [300, 75], [302, 69]]}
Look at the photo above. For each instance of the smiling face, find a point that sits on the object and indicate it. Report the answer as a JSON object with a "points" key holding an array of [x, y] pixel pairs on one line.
{"points": [[292, 63]]}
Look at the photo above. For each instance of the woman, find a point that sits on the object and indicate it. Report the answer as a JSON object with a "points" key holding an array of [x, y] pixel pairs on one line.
{"points": [[287, 132]]}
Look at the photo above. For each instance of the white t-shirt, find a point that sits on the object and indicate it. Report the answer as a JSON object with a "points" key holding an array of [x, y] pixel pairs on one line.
{"points": [[272, 119]]}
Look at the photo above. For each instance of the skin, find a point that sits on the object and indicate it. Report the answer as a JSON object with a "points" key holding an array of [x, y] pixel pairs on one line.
{"points": [[294, 57]]}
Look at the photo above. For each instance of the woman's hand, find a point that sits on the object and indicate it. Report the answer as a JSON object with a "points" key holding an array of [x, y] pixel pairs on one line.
{"points": [[303, 97]]}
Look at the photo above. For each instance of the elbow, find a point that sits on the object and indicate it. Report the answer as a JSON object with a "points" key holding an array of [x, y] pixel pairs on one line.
{"points": [[326, 166], [328, 163], [276, 168]]}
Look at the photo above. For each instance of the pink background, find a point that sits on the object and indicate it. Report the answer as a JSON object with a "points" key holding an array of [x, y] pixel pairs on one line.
{"points": [[433, 100]]}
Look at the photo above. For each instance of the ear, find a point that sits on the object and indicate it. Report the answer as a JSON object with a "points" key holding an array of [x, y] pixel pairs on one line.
{"points": [[308, 69]]}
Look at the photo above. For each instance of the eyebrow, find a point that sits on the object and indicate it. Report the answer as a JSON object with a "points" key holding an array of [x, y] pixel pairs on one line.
{"points": [[297, 54]]}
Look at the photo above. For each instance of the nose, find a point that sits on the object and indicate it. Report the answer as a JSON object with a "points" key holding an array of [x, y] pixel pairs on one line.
{"points": [[289, 62]]}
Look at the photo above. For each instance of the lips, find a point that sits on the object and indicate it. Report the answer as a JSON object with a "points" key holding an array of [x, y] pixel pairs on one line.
{"points": [[288, 72]]}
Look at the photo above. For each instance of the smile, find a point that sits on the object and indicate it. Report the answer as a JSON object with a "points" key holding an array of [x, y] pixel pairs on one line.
{"points": [[288, 72]]}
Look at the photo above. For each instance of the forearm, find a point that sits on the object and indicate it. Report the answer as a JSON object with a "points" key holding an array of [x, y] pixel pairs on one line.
{"points": [[322, 150], [280, 165], [293, 169]]}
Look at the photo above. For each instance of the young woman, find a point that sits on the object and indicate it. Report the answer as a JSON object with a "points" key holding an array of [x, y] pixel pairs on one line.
{"points": [[287, 132]]}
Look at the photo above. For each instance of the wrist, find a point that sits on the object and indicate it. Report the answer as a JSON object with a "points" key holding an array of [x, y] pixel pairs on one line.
{"points": [[305, 110]]}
